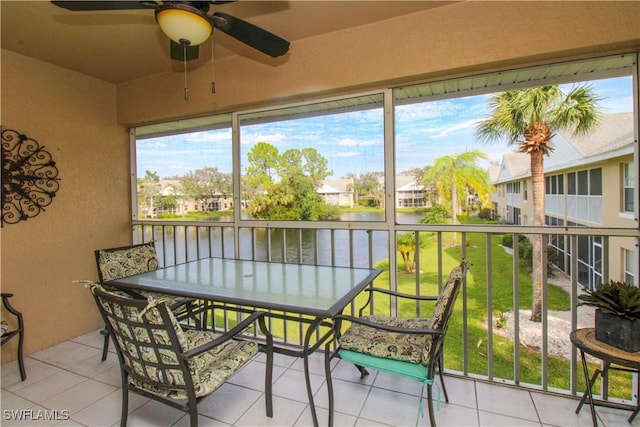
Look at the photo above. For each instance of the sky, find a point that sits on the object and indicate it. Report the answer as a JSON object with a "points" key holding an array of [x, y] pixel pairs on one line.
{"points": [[353, 142]]}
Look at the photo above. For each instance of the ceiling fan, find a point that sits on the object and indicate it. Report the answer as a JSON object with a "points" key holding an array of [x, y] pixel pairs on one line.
{"points": [[189, 24]]}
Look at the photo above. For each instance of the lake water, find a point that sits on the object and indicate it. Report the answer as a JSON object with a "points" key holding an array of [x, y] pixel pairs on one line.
{"points": [[326, 247]]}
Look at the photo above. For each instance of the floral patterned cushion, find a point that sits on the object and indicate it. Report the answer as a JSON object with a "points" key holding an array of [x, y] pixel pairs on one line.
{"points": [[208, 370], [403, 346], [389, 345], [118, 263], [448, 291]]}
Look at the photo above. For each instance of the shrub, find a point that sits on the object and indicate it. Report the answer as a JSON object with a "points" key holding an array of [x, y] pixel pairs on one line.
{"points": [[507, 240], [525, 252], [501, 320], [437, 214], [383, 264], [484, 214]]}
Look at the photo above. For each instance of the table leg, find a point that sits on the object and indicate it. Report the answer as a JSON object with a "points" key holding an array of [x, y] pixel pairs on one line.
{"points": [[307, 378], [635, 412], [588, 393], [327, 374]]}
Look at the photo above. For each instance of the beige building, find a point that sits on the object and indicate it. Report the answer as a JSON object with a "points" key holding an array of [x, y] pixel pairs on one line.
{"points": [[181, 204], [589, 181], [409, 193], [338, 192]]}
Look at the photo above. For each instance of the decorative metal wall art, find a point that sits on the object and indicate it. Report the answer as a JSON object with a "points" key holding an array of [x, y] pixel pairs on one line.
{"points": [[29, 177]]}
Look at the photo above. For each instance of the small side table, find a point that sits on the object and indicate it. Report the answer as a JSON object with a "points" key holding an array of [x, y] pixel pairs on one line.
{"points": [[585, 341]]}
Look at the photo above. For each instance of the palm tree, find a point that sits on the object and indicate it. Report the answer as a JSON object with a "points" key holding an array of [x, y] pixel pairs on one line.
{"points": [[453, 174], [529, 118], [406, 246]]}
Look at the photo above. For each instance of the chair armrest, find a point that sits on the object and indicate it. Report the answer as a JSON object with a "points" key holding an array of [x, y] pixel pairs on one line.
{"points": [[401, 295], [230, 334], [371, 291], [413, 331], [5, 302]]}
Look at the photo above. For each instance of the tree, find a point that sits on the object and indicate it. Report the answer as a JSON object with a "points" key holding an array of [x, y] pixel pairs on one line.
{"points": [[307, 162], [417, 173], [206, 185], [148, 191], [406, 246], [373, 189], [367, 186], [260, 174], [285, 186], [529, 118], [430, 193], [452, 175]]}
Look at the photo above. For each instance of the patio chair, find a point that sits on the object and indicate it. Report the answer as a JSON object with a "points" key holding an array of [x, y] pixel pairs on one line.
{"points": [[124, 261], [409, 347], [162, 361], [8, 333]]}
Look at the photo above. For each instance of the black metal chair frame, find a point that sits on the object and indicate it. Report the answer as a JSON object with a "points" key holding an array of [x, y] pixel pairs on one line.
{"points": [[438, 335], [183, 309], [18, 331], [190, 404], [372, 291]]}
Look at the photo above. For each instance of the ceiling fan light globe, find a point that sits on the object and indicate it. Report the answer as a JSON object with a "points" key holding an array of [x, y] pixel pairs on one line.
{"points": [[180, 25]]}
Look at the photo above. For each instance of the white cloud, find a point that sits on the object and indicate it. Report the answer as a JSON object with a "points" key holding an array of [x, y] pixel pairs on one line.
{"points": [[444, 131], [217, 136], [277, 139], [347, 154], [152, 143]]}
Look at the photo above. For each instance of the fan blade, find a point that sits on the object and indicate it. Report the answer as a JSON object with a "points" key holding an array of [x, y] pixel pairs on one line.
{"points": [[249, 34], [80, 6], [177, 52]]}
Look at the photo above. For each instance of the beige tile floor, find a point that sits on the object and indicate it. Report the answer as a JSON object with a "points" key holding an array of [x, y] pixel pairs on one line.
{"points": [[70, 378]]}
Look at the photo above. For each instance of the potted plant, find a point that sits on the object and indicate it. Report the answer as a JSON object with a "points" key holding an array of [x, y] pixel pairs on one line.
{"points": [[617, 321]]}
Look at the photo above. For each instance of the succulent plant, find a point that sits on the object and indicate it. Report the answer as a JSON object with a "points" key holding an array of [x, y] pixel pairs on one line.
{"points": [[618, 298]]}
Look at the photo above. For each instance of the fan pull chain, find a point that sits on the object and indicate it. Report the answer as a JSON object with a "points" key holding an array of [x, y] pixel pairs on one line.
{"points": [[213, 78], [184, 44]]}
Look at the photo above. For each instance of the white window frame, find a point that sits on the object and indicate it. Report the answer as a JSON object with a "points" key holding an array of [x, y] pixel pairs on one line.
{"points": [[629, 266], [628, 183]]}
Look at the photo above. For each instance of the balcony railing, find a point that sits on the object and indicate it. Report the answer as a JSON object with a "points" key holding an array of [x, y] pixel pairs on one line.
{"points": [[497, 292]]}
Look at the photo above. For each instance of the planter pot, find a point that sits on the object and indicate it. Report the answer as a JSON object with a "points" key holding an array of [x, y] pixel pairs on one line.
{"points": [[618, 331]]}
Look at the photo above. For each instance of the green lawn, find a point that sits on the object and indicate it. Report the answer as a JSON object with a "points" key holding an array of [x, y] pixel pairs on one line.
{"points": [[502, 301], [620, 385]]}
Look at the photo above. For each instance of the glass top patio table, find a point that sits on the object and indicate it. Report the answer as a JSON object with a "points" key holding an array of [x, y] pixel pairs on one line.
{"points": [[321, 291]]}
